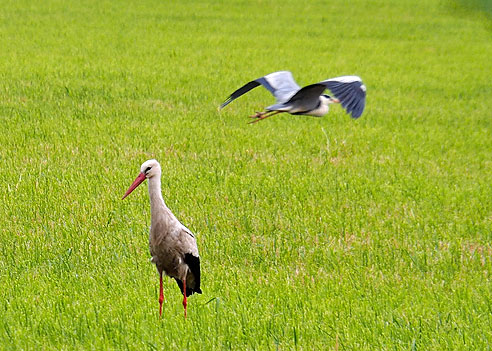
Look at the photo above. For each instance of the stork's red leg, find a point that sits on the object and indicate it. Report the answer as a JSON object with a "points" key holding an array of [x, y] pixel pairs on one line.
{"points": [[265, 115], [161, 294], [185, 301]]}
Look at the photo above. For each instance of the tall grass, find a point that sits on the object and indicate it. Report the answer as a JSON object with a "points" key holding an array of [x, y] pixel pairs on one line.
{"points": [[314, 233]]}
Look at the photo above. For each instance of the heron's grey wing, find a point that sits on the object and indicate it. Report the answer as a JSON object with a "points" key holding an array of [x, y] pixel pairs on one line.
{"points": [[350, 91], [281, 84], [307, 98], [241, 91]]}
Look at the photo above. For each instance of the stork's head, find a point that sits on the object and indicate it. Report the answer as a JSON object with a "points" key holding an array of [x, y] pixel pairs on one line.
{"points": [[149, 169], [327, 99]]}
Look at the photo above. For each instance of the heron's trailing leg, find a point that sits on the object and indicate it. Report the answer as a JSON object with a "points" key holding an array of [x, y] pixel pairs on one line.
{"points": [[161, 294], [262, 115], [185, 301], [258, 114]]}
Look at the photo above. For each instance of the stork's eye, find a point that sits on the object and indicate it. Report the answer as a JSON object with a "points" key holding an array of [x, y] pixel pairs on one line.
{"points": [[147, 169]]}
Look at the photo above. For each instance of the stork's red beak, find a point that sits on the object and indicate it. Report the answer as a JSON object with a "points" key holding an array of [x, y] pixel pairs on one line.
{"points": [[335, 100], [136, 182]]}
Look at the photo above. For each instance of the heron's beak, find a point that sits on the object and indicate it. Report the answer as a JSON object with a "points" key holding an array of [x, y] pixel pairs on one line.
{"points": [[141, 177], [335, 101]]}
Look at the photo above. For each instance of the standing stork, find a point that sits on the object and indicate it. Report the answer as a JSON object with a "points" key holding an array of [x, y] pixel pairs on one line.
{"points": [[172, 245], [349, 91]]}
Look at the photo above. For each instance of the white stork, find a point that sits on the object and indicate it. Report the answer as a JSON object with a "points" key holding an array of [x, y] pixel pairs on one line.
{"points": [[172, 245]]}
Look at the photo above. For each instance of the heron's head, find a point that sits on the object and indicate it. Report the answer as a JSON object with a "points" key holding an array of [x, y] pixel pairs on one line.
{"points": [[149, 169], [327, 99]]}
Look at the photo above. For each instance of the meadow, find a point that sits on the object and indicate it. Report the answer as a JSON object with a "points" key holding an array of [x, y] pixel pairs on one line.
{"points": [[314, 233]]}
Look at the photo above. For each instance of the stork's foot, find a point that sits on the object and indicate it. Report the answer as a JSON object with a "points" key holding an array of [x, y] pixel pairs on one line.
{"points": [[185, 300], [185, 304], [161, 299], [161, 294]]}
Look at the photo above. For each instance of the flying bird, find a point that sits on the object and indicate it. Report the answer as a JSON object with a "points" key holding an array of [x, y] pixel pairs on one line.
{"points": [[172, 245], [309, 100]]}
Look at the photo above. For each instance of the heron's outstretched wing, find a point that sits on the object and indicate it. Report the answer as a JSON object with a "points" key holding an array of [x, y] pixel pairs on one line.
{"points": [[307, 98], [350, 91], [241, 91], [281, 84]]}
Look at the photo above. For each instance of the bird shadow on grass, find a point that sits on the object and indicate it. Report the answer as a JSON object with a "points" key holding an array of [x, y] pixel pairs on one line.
{"points": [[472, 8]]}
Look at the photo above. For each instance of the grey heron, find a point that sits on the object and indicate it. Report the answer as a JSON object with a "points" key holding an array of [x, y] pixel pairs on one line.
{"points": [[172, 245], [349, 91]]}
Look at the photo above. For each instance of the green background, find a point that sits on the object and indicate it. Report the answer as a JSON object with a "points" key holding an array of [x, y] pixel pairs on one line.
{"points": [[314, 234]]}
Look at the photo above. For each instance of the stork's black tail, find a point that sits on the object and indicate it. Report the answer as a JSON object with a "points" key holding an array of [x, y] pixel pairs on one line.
{"points": [[193, 263]]}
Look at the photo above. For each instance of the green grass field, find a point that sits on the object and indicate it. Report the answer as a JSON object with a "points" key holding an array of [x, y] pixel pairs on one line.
{"points": [[314, 234]]}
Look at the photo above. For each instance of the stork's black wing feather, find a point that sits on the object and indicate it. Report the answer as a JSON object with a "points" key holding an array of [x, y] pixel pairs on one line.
{"points": [[350, 91], [193, 263]]}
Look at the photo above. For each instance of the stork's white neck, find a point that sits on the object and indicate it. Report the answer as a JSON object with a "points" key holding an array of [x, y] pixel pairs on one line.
{"points": [[155, 194], [158, 209]]}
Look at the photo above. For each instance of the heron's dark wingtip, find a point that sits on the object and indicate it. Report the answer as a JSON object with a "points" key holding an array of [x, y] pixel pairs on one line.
{"points": [[225, 103]]}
